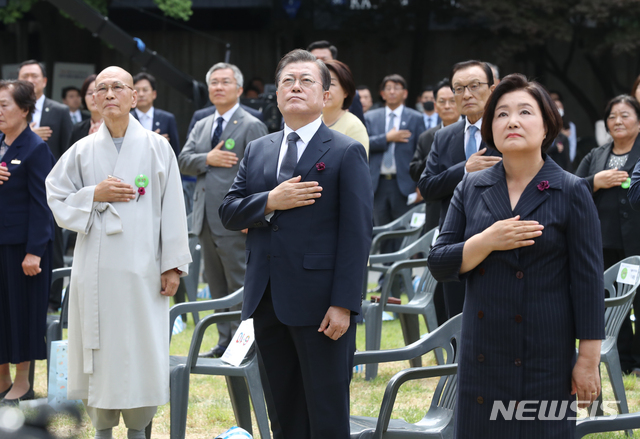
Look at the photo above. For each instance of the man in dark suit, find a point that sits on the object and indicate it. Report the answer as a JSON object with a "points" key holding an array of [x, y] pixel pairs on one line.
{"points": [[458, 149], [427, 106], [72, 99], [52, 122], [393, 133], [212, 153], [306, 198], [154, 119]]}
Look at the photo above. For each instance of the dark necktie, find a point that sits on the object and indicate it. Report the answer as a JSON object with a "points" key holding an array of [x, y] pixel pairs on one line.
{"points": [[217, 132], [290, 159]]}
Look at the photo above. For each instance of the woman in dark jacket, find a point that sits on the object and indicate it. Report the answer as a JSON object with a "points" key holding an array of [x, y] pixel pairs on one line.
{"points": [[524, 235], [607, 170], [25, 240], [90, 125]]}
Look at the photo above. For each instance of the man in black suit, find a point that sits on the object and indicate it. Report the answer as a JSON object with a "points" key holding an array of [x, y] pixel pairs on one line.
{"points": [[72, 99], [325, 51], [458, 149], [52, 122], [150, 117], [305, 195]]}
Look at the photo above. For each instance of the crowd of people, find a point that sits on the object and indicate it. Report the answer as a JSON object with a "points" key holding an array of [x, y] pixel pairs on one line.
{"points": [[526, 231]]}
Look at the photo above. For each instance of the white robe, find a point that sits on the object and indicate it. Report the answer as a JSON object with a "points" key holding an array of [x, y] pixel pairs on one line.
{"points": [[118, 320]]}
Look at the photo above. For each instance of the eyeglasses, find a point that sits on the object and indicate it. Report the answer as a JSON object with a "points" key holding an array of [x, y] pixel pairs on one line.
{"points": [[473, 87], [225, 83], [288, 83], [446, 101], [117, 87], [397, 88]]}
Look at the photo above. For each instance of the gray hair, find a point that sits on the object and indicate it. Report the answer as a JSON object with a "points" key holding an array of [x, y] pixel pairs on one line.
{"points": [[237, 74], [300, 55], [494, 69]]}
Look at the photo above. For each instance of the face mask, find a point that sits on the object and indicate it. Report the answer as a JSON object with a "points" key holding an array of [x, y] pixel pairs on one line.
{"points": [[561, 111], [428, 106]]}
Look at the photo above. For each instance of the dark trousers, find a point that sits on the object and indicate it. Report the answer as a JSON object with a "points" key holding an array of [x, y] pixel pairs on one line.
{"points": [[57, 261], [628, 342], [454, 297], [388, 204], [308, 376]]}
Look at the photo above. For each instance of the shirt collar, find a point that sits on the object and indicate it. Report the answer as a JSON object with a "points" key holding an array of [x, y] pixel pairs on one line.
{"points": [[467, 124], [398, 111], [307, 132], [226, 116], [40, 103], [148, 113]]}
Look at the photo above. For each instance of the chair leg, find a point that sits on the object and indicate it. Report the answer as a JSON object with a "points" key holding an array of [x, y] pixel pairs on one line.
{"points": [[179, 398], [411, 331], [612, 361], [373, 333], [239, 395], [254, 383], [147, 431]]}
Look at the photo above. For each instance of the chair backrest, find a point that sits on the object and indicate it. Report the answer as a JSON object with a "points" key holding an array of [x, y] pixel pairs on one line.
{"points": [[61, 273], [445, 393], [422, 245], [615, 315], [400, 223]]}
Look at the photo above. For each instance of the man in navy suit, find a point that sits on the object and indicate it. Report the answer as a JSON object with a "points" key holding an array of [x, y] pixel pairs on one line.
{"points": [[458, 149], [305, 196], [151, 118], [393, 134]]}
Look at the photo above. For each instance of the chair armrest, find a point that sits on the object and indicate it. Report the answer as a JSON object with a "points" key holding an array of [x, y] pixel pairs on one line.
{"points": [[201, 327], [60, 273], [617, 301], [391, 273], [601, 424], [399, 379], [204, 305], [385, 236]]}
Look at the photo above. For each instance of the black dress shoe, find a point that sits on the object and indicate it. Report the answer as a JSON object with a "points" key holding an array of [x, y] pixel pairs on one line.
{"points": [[216, 352], [26, 397], [3, 394]]}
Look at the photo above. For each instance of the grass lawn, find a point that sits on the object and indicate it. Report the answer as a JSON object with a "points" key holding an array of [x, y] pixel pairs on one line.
{"points": [[210, 411]]}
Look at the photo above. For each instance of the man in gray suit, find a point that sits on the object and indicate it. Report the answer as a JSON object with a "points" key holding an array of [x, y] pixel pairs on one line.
{"points": [[215, 146]]}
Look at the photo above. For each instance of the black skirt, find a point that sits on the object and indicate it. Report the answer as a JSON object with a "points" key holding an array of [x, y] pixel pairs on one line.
{"points": [[23, 306]]}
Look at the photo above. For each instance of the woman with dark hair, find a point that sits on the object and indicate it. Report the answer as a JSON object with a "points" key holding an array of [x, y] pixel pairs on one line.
{"points": [[335, 113], [91, 125], [525, 238], [635, 89], [607, 169], [25, 240]]}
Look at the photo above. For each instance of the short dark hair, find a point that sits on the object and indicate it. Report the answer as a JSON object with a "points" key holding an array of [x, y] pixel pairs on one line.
{"points": [[362, 87], [635, 86], [345, 78], [428, 88], [516, 82], [324, 44], [301, 55], [472, 63], [68, 89], [85, 87], [22, 93], [443, 83], [622, 99], [31, 62], [557, 93], [395, 78], [144, 75]]}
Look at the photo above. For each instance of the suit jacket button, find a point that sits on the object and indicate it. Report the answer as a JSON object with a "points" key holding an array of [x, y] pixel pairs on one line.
{"points": [[480, 314], [275, 228], [625, 215], [480, 358], [518, 318], [518, 362], [480, 400], [623, 201], [481, 271], [519, 274]]}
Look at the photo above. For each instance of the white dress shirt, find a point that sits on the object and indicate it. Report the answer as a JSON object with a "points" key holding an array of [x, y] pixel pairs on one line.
{"points": [[37, 114], [430, 121], [76, 116], [396, 124], [226, 116], [146, 119]]}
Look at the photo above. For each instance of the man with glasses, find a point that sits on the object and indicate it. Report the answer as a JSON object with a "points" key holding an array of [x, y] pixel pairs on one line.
{"points": [[215, 146], [458, 149], [305, 195], [393, 134], [120, 190]]}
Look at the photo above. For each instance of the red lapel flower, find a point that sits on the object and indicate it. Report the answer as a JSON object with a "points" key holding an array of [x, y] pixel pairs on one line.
{"points": [[4, 165], [141, 191], [543, 185], [320, 166]]}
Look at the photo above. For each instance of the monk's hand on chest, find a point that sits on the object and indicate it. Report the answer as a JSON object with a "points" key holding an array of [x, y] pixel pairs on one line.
{"points": [[221, 159], [4, 174], [113, 190], [511, 233], [292, 193], [336, 322]]}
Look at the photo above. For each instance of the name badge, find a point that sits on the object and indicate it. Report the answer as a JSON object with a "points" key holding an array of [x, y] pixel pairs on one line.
{"points": [[15, 162]]}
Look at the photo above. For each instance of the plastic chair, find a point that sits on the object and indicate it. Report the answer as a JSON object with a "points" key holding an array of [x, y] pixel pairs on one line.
{"points": [[56, 323], [420, 302], [192, 279], [66, 236], [242, 382], [617, 307], [602, 424], [438, 421], [398, 228]]}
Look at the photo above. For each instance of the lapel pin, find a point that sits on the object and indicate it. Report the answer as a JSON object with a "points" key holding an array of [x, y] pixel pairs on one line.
{"points": [[230, 144], [543, 185], [404, 123], [141, 182], [15, 162], [3, 164], [625, 184], [46, 109], [157, 123], [235, 122]]}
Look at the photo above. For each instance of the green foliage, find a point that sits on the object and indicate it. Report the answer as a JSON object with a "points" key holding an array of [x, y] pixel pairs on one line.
{"points": [[14, 10], [175, 8]]}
